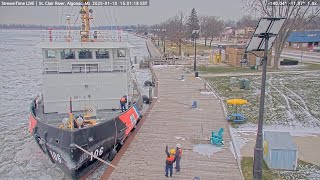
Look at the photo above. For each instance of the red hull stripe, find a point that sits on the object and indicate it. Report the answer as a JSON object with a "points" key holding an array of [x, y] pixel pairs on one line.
{"points": [[32, 123], [129, 118]]}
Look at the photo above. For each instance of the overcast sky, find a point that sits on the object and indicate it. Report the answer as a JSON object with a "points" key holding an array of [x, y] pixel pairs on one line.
{"points": [[158, 11]]}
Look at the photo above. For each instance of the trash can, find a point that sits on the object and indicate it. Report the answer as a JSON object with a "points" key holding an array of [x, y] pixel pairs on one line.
{"points": [[252, 67], [246, 84], [241, 83], [196, 74]]}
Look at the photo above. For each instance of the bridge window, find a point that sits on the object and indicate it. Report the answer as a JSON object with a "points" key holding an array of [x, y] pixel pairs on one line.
{"points": [[67, 54], [50, 54], [102, 54], [121, 53], [85, 54]]}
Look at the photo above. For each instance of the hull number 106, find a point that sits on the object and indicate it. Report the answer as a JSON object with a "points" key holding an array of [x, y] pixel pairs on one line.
{"points": [[96, 153]]}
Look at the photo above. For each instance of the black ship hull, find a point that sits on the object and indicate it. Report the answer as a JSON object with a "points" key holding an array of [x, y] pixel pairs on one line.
{"points": [[101, 140]]}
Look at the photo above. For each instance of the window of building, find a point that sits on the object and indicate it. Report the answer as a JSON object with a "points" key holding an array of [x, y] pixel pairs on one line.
{"points": [[68, 54], [121, 53], [85, 54], [102, 54], [50, 54]]}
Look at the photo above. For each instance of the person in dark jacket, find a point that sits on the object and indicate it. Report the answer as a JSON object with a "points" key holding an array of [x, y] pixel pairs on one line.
{"points": [[169, 161], [178, 157], [123, 102]]}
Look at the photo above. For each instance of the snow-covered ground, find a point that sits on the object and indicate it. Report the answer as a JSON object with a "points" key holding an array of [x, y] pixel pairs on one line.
{"points": [[292, 105], [292, 99]]}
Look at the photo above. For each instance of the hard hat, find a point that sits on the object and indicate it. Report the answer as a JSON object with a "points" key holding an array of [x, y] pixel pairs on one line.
{"points": [[172, 151], [178, 145]]}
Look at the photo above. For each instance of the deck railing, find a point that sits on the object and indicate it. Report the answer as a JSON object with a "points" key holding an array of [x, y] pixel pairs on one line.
{"points": [[87, 67], [101, 36]]}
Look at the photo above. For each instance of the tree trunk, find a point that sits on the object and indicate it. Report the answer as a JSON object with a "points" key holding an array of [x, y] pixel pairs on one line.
{"points": [[279, 45], [211, 41], [205, 41], [180, 43]]}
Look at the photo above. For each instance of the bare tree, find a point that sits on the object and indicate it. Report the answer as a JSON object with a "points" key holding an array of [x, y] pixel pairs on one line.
{"points": [[204, 29], [175, 29], [181, 17], [297, 18], [214, 27], [247, 21]]}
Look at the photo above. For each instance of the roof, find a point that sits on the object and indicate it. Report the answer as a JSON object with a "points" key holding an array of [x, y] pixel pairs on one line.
{"points": [[304, 36], [280, 140], [83, 45]]}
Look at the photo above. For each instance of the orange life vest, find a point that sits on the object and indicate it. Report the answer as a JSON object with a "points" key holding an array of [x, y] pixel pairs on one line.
{"points": [[180, 152], [170, 158]]}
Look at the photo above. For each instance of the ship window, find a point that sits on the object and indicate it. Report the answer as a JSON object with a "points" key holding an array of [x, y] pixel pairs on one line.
{"points": [[85, 54], [50, 54], [102, 54], [67, 54], [121, 53]]}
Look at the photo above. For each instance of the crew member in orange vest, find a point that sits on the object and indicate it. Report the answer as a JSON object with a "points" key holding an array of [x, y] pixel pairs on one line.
{"points": [[178, 157], [169, 161], [123, 102]]}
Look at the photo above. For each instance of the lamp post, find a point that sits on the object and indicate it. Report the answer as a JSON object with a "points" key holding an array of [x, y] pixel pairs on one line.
{"points": [[164, 40], [158, 36], [195, 33]]}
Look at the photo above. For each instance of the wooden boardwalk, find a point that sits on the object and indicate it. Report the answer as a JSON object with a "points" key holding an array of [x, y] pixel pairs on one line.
{"points": [[172, 121]]}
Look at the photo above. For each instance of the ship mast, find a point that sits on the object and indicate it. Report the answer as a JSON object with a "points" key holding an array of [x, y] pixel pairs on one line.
{"points": [[68, 38], [85, 24]]}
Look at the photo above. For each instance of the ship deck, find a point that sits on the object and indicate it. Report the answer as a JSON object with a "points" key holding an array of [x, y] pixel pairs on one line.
{"points": [[172, 121], [55, 119]]}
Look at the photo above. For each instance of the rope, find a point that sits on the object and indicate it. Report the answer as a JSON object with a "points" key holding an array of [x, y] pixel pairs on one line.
{"points": [[91, 154], [111, 19], [75, 21], [115, 18], [104, 10]]}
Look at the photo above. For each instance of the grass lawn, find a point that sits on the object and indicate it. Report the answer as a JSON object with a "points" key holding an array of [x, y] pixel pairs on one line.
{"points": [[291, 98], [247, 168], [309, 66], [225, 69], [305, 170], [187, 48]]}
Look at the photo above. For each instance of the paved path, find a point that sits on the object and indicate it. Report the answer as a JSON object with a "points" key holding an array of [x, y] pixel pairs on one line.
{"points": [[173, 117], [153, 51]]}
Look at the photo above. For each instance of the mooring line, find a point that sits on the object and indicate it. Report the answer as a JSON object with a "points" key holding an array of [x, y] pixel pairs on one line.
{"points": [[91, 154]]}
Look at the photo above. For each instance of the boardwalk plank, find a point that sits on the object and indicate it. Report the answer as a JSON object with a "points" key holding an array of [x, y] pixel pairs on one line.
{"points": [[171, 118]]}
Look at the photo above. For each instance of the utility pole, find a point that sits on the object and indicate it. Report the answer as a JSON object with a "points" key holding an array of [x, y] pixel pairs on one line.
{"points": [[195, 33], [164, 40], [158, 36]]}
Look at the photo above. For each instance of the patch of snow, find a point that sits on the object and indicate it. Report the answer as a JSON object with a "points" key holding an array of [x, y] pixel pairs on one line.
{"points": [[302, 134], [207, 93], [310, 172], [179, 137], [249, 127], [206, 149]]}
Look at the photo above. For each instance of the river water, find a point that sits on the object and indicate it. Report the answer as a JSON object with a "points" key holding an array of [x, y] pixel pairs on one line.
{"points": [[20, 82]]}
